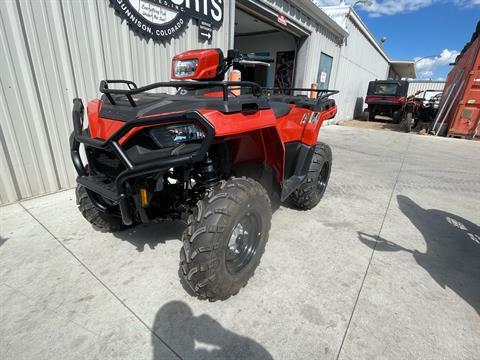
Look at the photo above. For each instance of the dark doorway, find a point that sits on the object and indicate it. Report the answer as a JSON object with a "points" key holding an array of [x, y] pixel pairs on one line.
{"points": [[267, 42]]}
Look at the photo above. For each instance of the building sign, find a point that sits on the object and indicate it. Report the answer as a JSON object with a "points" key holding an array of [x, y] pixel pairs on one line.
{"points": [[164, 19], [205, 30], [323, 77], [282, 20]]}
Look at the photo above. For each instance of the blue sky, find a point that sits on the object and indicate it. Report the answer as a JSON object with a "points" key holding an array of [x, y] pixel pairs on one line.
{"points": [[417, 28]]}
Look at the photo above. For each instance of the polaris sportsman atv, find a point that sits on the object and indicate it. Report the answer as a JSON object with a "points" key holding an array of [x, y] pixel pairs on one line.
{"points": [[214, 153]]}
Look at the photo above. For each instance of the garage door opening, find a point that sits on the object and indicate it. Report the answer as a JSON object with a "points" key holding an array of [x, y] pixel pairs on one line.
{"points": [[268, 42]]}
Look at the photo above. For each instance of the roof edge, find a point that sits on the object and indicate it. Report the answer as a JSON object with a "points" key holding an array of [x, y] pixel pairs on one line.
{"points": [[405, 62], [363, 28], [311, 9]]}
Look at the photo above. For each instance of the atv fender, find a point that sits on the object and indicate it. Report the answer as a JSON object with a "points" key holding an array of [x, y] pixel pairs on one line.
{"points": [[298, 157]]}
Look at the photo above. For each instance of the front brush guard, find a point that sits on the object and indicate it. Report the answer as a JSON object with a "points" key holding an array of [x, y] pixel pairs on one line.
{"points": [[119, 193]]}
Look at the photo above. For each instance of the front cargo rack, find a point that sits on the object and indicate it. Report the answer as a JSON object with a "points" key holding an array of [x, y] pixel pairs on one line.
{"points": [[134, 89]]}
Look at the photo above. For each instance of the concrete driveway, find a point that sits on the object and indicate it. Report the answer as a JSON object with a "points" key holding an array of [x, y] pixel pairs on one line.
{"points": [[386, 267]]}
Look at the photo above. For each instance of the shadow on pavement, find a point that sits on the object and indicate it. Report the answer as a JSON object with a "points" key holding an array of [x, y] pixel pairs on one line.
{"points": [[155, 233], [200, 337], [2, 240], [152, 234], [453, 248]]}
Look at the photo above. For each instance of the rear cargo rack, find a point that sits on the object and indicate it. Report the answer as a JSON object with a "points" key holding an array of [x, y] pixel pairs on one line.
{"points": [[321, 93], [134, 89]]}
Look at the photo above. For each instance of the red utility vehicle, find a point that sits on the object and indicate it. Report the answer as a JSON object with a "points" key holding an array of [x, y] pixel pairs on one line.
{"points": [[420, 108], [205, 154], [386, 98]]}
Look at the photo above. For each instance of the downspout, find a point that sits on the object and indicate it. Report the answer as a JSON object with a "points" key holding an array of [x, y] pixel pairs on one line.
{"points": [[231, 14]]}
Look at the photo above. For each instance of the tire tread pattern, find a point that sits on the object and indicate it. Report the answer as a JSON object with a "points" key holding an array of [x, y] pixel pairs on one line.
{"points": [[104, 222], [306, 197], [204, 239]]}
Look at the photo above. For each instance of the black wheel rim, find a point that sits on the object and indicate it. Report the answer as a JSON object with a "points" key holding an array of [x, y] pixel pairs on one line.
{"points": [[243, 243], [323, 177]]}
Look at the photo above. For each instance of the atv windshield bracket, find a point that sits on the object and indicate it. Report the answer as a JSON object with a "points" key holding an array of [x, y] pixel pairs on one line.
{"points": [[133, 89]]}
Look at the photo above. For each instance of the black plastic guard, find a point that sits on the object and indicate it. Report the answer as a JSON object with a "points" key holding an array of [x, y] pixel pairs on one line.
{"points": [[298, 157]]}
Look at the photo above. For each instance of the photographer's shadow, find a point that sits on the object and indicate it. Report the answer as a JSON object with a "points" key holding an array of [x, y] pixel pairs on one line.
{"points": [[152, 234], [452, 257], [199, 337]]}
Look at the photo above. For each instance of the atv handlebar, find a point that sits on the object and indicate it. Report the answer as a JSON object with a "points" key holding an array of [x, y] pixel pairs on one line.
{"points": [[254, 62], [133, 89]]}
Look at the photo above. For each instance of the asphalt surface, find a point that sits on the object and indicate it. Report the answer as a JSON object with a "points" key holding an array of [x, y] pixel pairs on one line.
{"points": [[387, 266]]}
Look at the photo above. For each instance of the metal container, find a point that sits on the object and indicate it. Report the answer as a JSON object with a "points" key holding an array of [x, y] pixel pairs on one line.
{"points": [[464, 118]]}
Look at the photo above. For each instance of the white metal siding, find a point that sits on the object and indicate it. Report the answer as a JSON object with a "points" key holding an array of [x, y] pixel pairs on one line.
{"points": [[320, 40], [421, 85], [360, 63], [51, 52]]}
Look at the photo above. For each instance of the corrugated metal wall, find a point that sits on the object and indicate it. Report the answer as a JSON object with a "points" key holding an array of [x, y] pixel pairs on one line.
{"points": [[360, 63], [421, 85], [321, 39], [53, 51]]}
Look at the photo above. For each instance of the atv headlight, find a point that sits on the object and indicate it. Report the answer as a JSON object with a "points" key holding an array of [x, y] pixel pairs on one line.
{"points": [[171, 135], [184, 68]]}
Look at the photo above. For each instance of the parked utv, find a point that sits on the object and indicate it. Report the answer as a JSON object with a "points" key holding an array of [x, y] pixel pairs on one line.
{"points": [[420, 110], [214, 153], [386, 98]]}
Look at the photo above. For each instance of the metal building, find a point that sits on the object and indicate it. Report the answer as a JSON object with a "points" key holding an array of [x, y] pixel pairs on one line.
{"points": [[423, 85], [54, 51], [360, 68], [362, 60]]}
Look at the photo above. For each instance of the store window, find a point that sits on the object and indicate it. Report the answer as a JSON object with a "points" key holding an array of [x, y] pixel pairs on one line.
{"points": [[324, 71]]}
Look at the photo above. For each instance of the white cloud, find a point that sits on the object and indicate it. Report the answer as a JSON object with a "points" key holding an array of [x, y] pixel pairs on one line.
{"points": [[391, 7], [426, 67], [467, 3]]}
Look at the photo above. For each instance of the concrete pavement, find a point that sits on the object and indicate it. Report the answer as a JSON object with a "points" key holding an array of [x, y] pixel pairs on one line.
{"points": [[386, 267]]}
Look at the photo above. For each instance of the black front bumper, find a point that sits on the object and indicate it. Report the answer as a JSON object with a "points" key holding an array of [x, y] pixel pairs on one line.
{"points": [[116, 191]]}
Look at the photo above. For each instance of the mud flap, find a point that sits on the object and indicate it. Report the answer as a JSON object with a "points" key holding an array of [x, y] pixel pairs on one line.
{"points": [[298, 157]]}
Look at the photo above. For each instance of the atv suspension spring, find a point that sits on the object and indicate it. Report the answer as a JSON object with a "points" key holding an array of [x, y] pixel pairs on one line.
{"points": [[208, 176]]}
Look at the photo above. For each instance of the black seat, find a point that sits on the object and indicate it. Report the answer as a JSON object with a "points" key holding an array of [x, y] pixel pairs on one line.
{"points": [[279, 108]]}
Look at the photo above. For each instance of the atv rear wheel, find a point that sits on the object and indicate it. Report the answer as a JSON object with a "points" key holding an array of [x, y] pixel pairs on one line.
{"points": [[311, 191], [103, 221], [225, 238]]}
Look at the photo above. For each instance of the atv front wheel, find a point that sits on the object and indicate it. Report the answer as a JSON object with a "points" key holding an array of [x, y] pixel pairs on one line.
{"points": [[311, 191], [397, 117], [102, 221], [407, 126], [225, 238]]}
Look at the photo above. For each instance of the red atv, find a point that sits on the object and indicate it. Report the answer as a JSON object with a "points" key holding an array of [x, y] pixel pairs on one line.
{"points": [[420, 108], [215, 153]]}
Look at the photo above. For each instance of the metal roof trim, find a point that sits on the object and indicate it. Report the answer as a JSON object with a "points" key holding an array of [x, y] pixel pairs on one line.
{"points": [[319, 15]]}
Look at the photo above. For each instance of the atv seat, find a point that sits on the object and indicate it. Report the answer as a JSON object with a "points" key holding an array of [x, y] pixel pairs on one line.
{"points": [[279, 109]]}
